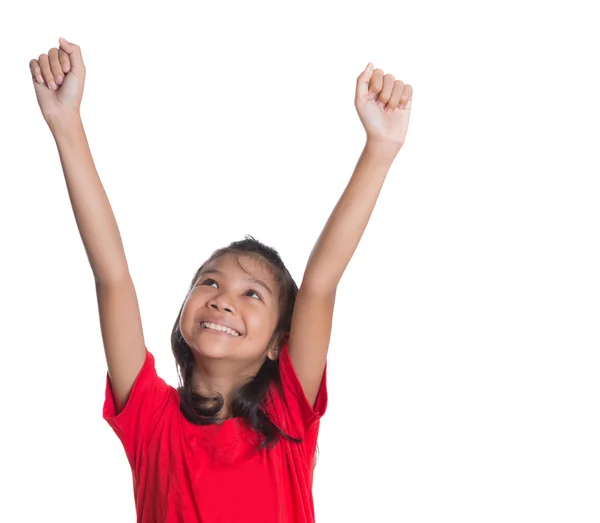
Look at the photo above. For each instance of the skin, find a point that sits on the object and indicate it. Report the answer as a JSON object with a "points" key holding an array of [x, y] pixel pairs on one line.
{"points": [[230, 297], [383, 105]]}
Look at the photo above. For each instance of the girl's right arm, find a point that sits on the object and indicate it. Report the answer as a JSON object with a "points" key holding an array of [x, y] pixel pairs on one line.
{"points": [[120, 320]]}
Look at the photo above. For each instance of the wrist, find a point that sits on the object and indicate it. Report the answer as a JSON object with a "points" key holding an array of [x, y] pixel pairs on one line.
{"points": [[65, 126], [382, 147]]}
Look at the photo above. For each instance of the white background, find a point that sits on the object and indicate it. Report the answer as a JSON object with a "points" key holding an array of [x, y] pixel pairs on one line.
{"points": [[464, 361]]}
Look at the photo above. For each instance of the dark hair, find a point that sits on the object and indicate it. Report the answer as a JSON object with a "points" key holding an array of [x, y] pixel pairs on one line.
{"points": [[250, 396]]}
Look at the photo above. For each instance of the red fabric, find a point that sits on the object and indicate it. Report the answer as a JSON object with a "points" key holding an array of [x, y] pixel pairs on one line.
{"points": [[186, 473]]}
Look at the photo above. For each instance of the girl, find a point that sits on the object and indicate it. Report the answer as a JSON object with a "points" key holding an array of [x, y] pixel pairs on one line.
{"points": [[235, 442]]}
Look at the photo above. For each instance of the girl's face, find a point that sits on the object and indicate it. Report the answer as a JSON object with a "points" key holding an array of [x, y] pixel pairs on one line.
{"points": [[244, 299]]}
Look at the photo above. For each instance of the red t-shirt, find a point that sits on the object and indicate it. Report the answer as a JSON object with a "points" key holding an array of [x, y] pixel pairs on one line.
{"points": [[187, 473]]}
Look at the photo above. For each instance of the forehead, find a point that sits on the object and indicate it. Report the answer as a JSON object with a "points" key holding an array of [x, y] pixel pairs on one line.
{"points": [[242, 265]]}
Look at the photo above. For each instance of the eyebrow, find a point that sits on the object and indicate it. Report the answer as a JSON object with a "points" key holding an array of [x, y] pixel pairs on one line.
{"points": [[253, 280]]}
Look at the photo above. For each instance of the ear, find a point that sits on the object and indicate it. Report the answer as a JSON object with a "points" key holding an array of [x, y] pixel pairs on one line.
{"points": [[273, 352]]}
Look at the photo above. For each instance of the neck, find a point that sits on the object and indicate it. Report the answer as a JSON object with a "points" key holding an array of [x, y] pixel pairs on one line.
{"points": [[212, 377]]}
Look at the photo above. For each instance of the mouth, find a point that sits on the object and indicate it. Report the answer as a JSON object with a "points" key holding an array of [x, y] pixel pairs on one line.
{"points": [[217, 328]]}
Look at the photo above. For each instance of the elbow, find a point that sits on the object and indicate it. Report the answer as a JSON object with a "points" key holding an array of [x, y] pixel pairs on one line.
{"points": [[318, 287]]}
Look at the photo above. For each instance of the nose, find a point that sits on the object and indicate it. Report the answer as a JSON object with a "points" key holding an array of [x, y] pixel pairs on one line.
{"points": [[222, 303]]}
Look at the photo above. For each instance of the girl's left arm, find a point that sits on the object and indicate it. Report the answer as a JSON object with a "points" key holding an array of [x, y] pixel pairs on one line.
{"points": [[383, 105]]}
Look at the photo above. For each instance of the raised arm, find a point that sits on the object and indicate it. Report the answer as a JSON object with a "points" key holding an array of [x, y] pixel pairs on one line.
{"points": [[118, 308], [386, 127]]}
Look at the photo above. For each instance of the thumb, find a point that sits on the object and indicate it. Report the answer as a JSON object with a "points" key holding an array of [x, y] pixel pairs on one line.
{"points": [[74, 52], [362, 83]]}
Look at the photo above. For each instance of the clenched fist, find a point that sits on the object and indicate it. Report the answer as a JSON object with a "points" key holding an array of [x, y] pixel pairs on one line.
{"points": [[383, 104], [58, 78]]}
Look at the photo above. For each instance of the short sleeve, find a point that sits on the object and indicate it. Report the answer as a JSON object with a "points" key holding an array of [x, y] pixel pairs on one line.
{"points": [[295, 414], [139, 417]]}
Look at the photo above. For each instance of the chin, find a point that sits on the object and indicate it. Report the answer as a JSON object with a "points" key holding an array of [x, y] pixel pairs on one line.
{"points": [[212, 352], [212, 346]]}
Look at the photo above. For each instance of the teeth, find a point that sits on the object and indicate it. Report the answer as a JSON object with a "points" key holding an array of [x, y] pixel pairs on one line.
{"points": [[221, 328]]}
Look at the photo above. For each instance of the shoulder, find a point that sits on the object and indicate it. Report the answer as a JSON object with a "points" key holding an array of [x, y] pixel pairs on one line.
{"points": [[150, 393], [287, 405]]}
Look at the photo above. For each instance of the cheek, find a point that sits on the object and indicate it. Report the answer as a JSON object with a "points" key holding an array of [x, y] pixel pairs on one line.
{"points": [[259, 323], [189, 311]]}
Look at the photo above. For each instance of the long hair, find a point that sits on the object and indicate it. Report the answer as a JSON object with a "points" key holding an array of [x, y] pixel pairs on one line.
{"points": [[249, 397]]}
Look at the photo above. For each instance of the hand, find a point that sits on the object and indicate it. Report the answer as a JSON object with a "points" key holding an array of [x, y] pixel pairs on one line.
{"points": [[383, 106], [59, 77]]}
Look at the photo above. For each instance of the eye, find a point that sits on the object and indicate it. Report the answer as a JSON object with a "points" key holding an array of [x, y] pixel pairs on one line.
{"points": [[255, 293], [210, 282]]}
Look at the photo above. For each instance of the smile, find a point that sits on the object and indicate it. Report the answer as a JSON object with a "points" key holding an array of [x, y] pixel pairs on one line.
{"points": [[217, 328]]}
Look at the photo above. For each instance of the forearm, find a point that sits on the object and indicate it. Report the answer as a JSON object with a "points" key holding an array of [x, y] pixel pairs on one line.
{"points": [[348, 221], [93, 214]]}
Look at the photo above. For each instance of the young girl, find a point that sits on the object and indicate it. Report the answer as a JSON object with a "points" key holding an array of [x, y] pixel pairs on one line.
{"points": [[235, 442]]}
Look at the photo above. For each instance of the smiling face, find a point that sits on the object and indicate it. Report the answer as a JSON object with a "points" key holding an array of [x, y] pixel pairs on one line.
{"points": [[232, 311]]}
